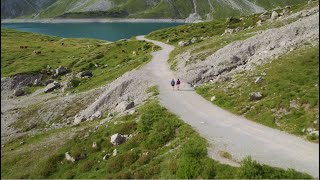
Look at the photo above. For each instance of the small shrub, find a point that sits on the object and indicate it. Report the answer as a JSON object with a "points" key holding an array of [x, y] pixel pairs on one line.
{"points": [[87, 165], [189, 168]]}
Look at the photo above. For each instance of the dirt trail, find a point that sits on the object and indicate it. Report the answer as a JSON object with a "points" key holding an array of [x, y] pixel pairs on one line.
{"points": [[227, 132]]}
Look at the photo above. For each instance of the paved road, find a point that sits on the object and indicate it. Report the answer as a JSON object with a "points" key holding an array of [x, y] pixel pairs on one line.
{"points": [[226, 131]]}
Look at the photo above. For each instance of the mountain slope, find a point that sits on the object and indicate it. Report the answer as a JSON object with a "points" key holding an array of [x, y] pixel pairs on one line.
{"points": [[181, 9]]}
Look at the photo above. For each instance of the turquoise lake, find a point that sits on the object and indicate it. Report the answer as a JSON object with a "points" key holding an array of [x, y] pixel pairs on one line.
{"points": [[104, 31]]}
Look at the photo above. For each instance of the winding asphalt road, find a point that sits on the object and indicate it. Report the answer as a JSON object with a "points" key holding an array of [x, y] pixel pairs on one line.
{"points": [[228, 132]]}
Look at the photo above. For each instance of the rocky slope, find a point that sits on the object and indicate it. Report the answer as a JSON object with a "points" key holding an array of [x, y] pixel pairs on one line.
{"points": [[191, 10], [255, 50]]}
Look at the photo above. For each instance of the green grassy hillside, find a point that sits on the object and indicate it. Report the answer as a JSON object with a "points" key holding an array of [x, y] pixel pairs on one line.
{"points": [[145, 9], [112, 59], [162, 147]]}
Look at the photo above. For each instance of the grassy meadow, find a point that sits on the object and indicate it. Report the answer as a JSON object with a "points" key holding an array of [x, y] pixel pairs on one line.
{"points": [[107, 61]]}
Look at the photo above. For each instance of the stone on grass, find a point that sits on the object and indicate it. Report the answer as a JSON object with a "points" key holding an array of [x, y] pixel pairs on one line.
{"points": [[61, 70], [117, 139], [213, 98], [85, 74], [255, 96], [194, 40], [94, 145], [115, 152], [258, 80], [274, 15], [69, 157], [96, 115], [184, 43]]}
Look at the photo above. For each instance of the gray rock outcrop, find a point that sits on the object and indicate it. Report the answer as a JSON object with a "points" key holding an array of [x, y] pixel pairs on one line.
{"points": [[18, 92], [61, 70], [246, 54], [51, 87], [85, 74], [117, 139]]}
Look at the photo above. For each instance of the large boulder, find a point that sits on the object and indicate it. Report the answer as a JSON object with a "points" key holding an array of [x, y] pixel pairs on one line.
{"points": [[61, 70], [274, 15], [184, 43], [117, 139], [255, 96], [85, 74], [69, 157], [51, 87], [18, 92], [123, 106]]}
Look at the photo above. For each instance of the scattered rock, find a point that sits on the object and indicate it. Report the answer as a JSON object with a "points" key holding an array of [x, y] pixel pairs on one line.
{"points": [[258, 80], [194, 40], [123, 106], [96, 115], [213, 98], [233, 20], [78, 119], [105, 157], [259, 23], [309, 130], [255, 96], [294, 104], [315, 133], [117, 139], [230, 31], [115, 152], [85, 74], [61, 70], [51, 87], [184, 43], [18, 92], [94, 145], [69, 157], [274, 15], [38, 82]]}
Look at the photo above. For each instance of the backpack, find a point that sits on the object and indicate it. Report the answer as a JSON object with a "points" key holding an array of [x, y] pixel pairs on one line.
{"points": [[172, 83]]}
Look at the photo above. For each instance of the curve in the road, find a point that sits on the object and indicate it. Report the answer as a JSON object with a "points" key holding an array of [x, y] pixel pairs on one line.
{"points": [[227, 132]]}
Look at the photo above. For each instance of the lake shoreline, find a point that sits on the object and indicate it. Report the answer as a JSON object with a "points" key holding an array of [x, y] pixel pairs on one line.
{"points": [[95, 20]]}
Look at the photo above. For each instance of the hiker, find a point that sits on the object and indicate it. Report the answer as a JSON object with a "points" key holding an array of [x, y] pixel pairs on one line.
{"points": [[173, 83], [178, 84]]}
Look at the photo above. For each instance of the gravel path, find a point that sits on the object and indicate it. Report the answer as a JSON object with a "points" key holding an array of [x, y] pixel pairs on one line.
{"points": [[227, 132]]}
